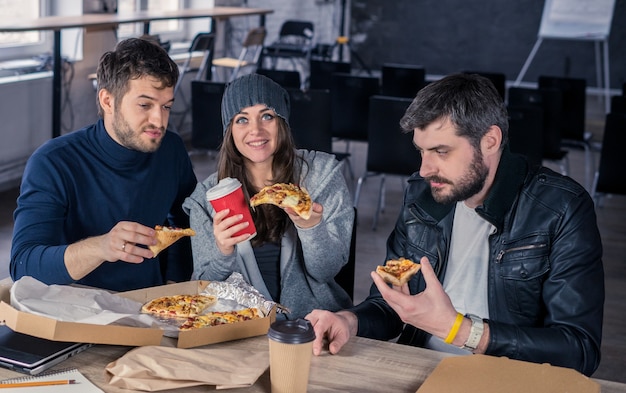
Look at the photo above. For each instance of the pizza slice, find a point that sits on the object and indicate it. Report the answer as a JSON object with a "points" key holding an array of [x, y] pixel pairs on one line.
{"points": [[179, 306], [220, 318], [166, 236], [285, 195], [398, 271]]}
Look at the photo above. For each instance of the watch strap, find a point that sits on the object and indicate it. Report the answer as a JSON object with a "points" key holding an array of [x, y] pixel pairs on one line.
{"points": [[476, 332]]}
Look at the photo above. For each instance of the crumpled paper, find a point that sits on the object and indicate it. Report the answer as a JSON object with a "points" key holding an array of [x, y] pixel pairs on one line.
{"points": [[75, 304], [155, 368]]}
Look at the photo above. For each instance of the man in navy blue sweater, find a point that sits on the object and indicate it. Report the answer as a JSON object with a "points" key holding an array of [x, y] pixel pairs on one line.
{"points": [[90, 199]]}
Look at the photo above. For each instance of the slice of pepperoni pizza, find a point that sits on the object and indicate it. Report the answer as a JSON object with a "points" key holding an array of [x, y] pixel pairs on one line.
{"points": [[179, 306], [285, 195]]}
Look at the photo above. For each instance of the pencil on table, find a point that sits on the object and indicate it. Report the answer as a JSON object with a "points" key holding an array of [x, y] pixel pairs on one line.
{"points": [[37, 383]]}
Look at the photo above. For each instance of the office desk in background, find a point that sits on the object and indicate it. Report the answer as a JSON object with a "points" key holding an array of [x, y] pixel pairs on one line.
{"points": [[58, 23]]}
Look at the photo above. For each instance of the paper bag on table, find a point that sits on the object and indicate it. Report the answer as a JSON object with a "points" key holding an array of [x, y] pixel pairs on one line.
{"points": [[154, 368]]}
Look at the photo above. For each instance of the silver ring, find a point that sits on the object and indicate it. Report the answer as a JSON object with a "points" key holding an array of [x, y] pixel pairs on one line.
{"points": [[124, 246]]}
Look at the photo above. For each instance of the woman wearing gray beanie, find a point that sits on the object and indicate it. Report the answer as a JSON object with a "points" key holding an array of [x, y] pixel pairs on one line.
{"points": [[291, 260]]}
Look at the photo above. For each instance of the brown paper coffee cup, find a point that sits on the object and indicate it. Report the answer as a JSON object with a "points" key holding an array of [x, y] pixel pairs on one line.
{"points": [[291, 349]]}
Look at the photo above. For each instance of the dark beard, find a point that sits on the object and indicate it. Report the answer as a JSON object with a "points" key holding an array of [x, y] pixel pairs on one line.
{"points": [[470, 184]]}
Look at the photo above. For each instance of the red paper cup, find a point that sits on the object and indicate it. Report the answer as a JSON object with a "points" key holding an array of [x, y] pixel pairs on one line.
{"points": [[228, 194]]}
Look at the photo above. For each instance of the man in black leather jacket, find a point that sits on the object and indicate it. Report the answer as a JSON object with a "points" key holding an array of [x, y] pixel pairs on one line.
{"points": [[517, 245]]}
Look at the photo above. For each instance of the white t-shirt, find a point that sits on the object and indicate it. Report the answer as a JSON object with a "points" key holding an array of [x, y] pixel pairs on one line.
{"points": [[468, 266]]}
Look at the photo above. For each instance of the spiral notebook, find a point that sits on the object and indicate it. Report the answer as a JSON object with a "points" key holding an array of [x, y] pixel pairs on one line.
{"points": [[32, 355], [81, 383]]}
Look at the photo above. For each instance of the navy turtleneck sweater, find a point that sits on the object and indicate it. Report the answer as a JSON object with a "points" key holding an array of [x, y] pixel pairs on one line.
{"points": [[80, 185]]}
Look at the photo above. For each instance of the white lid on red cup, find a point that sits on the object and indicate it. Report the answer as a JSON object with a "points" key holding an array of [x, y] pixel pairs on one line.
{"points": [[222, 188]]}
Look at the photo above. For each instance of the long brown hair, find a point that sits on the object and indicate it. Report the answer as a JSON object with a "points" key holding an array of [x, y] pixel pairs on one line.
{"points": [[270, 221]]}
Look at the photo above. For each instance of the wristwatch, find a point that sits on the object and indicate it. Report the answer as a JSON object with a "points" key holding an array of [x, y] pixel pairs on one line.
{"points": [[476, 332]]}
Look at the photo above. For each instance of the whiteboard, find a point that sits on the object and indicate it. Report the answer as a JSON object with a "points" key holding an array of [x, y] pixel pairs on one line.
{"points": [[577, 19]]}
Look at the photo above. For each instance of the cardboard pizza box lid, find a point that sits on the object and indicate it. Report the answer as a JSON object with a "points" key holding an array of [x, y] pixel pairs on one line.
{"points": [[491, 374]]}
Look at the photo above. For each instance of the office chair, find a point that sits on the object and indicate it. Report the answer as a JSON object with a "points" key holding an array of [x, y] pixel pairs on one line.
{"points": [[574, 101], [345, 277], [350, 99], [310, 122], [251, 49], [202, 43], [295, 42], [389, 150], [206, 115], [610, 177], [320, 75], [287, 79], [402, 80], [309, 119], [618, 104], [526, 132], [550, 101]]}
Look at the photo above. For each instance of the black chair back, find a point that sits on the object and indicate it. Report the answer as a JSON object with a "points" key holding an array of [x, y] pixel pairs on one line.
{"points": [[526, 132], [573, 92], [321, 72], [350, 96], [345, 277], [611, 177], [618, 104], [402, 80], [287, 79], [206, 115], [389, 150], [309, 119], [295, 39], [550, 101]]}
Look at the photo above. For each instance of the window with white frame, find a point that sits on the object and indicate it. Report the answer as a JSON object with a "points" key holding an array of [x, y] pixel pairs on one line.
{"points": [[166, 29], [22, 44]]}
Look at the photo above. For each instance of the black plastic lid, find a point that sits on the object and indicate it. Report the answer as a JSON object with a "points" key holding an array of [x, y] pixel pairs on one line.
{"points": [[292, 332]]}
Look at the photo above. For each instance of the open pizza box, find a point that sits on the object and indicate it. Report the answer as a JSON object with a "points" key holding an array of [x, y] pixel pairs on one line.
{"points": [[492, 374], [52, 329]]}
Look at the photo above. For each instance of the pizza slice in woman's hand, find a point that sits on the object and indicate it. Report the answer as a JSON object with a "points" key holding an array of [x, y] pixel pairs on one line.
{"points": [[285, 195]]}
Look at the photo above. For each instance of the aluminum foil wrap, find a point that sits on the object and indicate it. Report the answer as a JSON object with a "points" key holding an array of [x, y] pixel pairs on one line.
{"points": [[237, 289]]}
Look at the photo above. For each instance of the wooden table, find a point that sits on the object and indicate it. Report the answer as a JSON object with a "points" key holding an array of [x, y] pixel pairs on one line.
{"points": [[58, 23], [359, 367]]}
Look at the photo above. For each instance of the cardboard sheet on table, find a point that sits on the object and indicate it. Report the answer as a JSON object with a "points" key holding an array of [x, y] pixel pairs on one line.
{"points": [[487, 374], [155, 368]]}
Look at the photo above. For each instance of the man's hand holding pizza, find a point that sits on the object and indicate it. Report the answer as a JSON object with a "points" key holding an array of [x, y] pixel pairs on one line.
{"points": [[430, 310], [121, 243]]}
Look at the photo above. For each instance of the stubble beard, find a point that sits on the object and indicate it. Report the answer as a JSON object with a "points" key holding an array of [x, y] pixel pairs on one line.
{"points": [[130, 138]]}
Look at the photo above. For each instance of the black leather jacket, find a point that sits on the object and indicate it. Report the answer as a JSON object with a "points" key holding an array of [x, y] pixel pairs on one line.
{"points": [[546, 280]]}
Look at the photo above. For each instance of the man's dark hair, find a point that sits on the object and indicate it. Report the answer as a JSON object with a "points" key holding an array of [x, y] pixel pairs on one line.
{"points": [[134, 58], [470, 101]]}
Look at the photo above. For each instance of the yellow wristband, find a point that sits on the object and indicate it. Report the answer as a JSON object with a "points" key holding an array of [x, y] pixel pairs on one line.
{"points": [[455, 328]]}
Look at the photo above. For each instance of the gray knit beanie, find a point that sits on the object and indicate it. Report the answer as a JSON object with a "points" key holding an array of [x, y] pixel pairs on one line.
{"points": [[253, 89]]}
